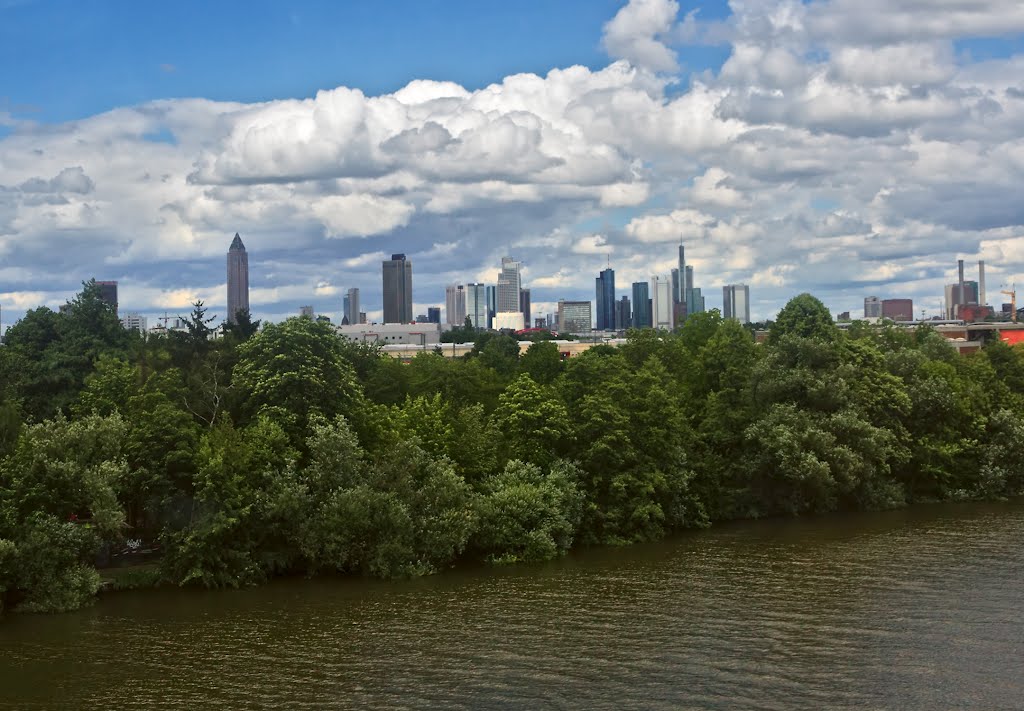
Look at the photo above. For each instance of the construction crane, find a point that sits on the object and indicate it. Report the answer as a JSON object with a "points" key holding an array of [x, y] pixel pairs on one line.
{"points": [[1012, 293]]}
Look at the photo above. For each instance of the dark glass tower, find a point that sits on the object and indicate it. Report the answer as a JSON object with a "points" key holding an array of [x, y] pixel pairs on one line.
{"points": [[641, 304], [398, 290], [238, 279], [605, 284]]}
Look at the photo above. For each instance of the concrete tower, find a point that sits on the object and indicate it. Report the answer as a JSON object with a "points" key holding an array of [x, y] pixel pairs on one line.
{"points": [[238, 279]]}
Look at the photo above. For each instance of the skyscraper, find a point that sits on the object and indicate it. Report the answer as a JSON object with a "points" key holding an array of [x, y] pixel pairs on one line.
{"points": [[509, 284], [661, 302], [524, 306], [397, 273], [641, 304], [693, 298], [736, 302], [455, 304], [492, 304], [623, 320], [238, 279], [509, 312], [108, 293], [605, 284], [433, 314], [476, 304], [351, 307]]}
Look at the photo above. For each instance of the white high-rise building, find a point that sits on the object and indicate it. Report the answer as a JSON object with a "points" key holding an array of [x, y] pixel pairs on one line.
{"points": [[134, 322], [455, 304], [351, 306], [661, 302], [509, 284], [872, 307], [509, 312], [736, 302]]}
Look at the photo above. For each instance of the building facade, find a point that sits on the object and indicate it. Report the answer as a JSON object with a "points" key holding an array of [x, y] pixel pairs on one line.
{"points": [[623, 316], [898, 309], [108, 293], [661, 302], [872, 307], [509, 285], [419, 334], [736, 302], [524, 305], [134, 322], [433, 314], [350, 307], [476, 305], [238, 279], [605, 285], [574, 316], [641, 304], [455, 304], [397, 274]]}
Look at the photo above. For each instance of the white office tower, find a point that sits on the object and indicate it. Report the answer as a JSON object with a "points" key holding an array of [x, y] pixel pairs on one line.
{"points": [[455, 304], [509, 313], [661, 302]]}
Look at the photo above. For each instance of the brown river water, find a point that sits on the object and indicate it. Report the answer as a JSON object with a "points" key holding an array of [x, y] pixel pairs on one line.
{"points": [[915, 609]]}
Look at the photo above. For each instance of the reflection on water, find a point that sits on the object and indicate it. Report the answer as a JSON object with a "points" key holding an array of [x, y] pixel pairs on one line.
{"points": [[914, 609]]}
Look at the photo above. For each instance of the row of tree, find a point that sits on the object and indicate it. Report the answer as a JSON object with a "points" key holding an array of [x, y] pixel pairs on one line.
{"points": [[287, 449]]}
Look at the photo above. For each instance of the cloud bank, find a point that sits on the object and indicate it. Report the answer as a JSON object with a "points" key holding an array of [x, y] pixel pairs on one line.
{"points": [[846, 148]]}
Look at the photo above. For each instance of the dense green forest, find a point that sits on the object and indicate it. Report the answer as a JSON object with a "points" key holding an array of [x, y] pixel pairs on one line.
{"points": [[287, 450]]}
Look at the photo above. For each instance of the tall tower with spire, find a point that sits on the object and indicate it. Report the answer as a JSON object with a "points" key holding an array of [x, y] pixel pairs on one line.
{"points": [[238, 279]]}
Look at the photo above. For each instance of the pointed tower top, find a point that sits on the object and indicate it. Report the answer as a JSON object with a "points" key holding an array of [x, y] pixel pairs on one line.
{"points": [[236, 244]]}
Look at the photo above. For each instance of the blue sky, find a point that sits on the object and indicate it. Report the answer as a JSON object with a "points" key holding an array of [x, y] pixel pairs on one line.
{"points": [[844, 147], [62, 60]]}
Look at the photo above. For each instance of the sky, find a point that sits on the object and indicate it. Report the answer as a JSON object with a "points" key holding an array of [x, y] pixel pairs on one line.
{"points": [[843, 147]]}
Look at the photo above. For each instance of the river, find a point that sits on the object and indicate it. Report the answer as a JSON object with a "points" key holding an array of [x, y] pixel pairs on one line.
{"points": [[915, 609]]}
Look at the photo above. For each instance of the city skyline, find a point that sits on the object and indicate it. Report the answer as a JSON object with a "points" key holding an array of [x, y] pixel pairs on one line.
{"points": [[792, 148]]}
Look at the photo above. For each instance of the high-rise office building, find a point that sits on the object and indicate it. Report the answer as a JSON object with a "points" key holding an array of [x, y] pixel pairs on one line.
{"points": [[108, 293], [898, 309], [492, 304], [524, 305], [574, 316], [455, 304], [476, 305], [661, 302], [397, 273], [508, 313], [872, 307], [433, 314], [238, 279], [350, 304], [623, 319], [306, 312], [677, 287], [605, 285], [692, 295], [736, 302], [509, 284], [641, 304]]}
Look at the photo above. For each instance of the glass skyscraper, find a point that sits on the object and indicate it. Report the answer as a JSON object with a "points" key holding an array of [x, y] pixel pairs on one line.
{"points": [[605, 284], [641, 304], [397, 273]]}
